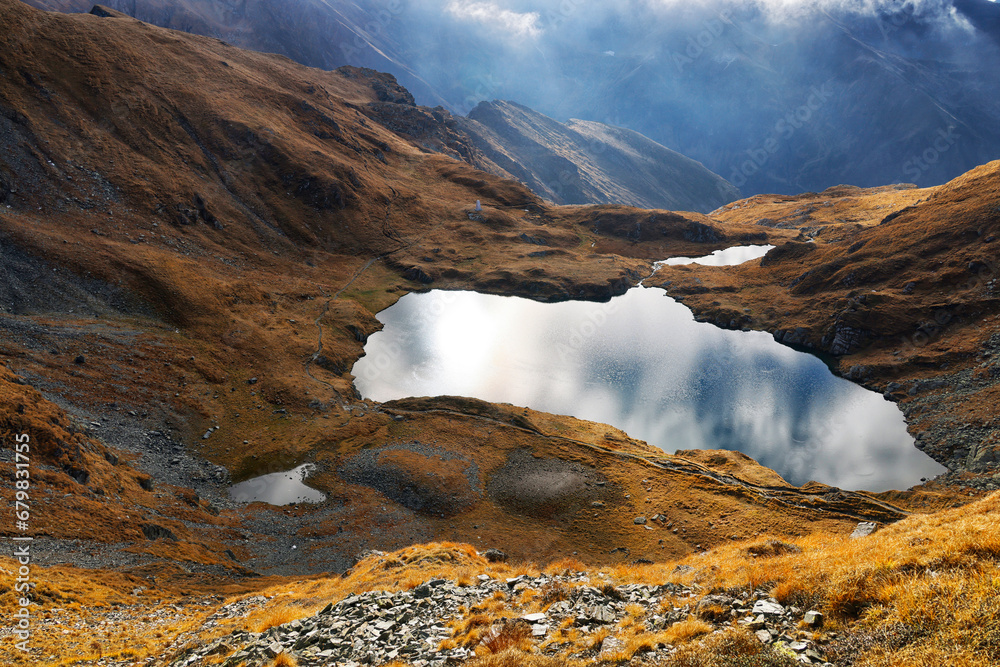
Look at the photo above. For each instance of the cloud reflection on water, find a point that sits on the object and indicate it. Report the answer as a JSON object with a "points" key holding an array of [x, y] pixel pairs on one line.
{"points": [[643, 364]]}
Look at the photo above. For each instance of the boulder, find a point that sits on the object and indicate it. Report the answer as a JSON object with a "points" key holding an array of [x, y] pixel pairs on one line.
{"points": [[495, 556]]}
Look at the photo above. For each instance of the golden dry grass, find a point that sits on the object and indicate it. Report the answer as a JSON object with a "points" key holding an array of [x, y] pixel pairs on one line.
{"points": [[685, 631], [275, 616], [284, 660], [514, 658], [730, 648], [506, 636], [922, 592]]}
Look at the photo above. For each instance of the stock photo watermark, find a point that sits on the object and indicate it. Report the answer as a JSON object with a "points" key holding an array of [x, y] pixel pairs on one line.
{"points": [[784, 129], [22, 542], [700, 42], [385, 359], [555, 18], [585, 330], [943, 142], [891, 23]]}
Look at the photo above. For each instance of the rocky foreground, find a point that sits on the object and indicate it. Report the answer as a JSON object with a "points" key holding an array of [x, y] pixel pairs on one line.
{"points": [[421, 626], [922, 591]]}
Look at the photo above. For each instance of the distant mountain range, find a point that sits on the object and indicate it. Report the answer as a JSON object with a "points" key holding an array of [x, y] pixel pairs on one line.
{"points": [[774, 97], [576, 163], [584, 162]]}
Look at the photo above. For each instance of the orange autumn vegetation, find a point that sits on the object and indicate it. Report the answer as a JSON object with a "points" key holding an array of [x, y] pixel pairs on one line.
{"points": [[931, 579]]}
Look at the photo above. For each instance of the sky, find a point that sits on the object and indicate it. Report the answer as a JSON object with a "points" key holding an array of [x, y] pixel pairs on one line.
{"points": [[714, 80]]}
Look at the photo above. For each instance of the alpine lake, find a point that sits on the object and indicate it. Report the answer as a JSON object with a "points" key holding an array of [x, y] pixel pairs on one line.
{"points": [[642, 363]]}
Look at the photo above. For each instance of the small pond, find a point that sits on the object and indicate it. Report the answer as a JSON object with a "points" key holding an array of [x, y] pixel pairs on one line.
{"points": [[642, 363], [278, 488], [727, 257]]}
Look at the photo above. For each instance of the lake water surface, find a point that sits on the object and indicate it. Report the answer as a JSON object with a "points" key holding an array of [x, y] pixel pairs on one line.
{"points": [[727, 257], [640, 362], [278, 488]]}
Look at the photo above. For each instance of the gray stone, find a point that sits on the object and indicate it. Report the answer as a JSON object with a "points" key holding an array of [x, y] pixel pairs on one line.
{"points": [[708, 601], [639, 521], [377, 627], [611, 645], [864, 529], [813, 619], [601, 615], [768, 608], [764, 636]]}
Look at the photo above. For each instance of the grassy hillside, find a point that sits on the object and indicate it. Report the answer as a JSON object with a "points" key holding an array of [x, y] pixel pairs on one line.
{"points": [[922, 592]]}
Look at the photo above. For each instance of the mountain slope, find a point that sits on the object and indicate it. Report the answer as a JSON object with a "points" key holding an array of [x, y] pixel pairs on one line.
{"points": [[584, 162], [312, 32], [195, 241], [899, 284], [786, 98], [934, 602]]}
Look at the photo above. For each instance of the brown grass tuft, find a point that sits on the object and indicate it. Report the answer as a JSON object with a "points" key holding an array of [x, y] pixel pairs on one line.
{"points": [[284, 660], [554, 591], [514, 658], [729, 648], [468, 631], [713, 613], [506, 635], [771, 548], [279, 616], [685, 631], [608, 590]]}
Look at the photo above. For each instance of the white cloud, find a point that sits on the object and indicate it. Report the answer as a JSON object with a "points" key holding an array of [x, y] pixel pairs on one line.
{"points": [[490, 14], [789, 8]]}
